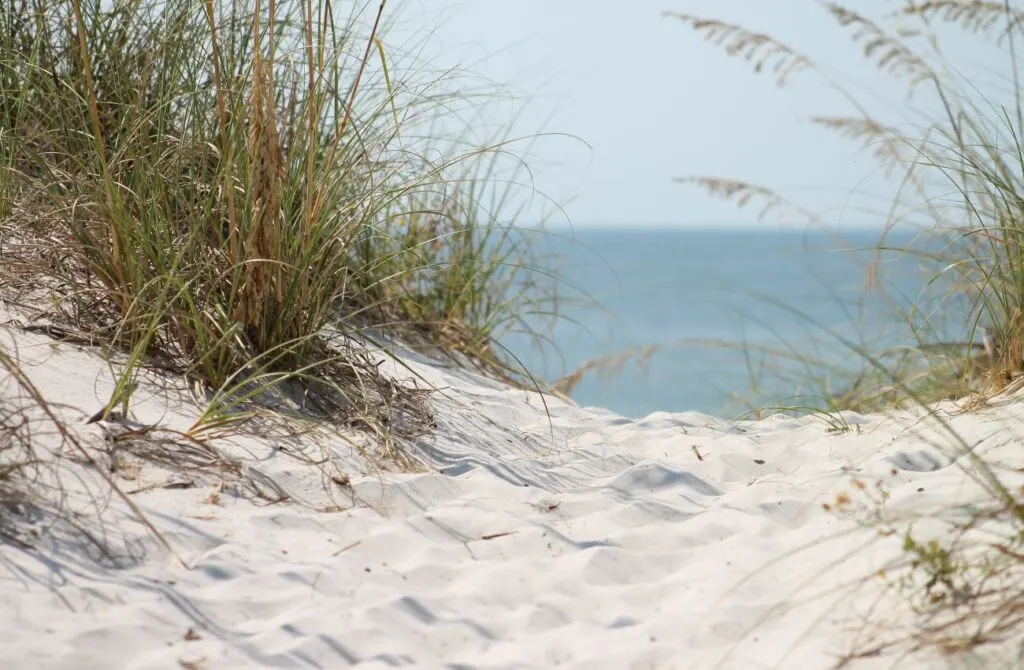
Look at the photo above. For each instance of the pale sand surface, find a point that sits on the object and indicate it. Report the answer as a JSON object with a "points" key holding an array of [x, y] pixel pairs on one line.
{"points": [[571, 537]]}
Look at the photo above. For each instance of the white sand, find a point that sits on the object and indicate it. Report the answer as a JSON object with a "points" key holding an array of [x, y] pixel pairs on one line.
{"points": [[580, 539]]}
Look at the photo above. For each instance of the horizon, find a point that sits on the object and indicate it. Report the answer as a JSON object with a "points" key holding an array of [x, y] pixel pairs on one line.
{"points": [[732, 227]]}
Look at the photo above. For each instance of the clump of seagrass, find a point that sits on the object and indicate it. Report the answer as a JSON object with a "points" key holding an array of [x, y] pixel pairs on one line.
{"points": [[212, 187], [963, 150], [960, 181]]}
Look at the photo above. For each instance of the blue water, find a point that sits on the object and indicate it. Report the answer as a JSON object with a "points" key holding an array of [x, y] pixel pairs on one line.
{"points": [[704, 296]]}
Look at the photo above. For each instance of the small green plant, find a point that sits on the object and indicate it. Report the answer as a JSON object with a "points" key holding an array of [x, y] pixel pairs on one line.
{"points": [[834, 421], [939, 565]]}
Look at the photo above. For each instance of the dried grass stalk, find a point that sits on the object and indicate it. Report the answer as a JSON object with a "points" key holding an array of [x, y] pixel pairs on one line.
{"points": [[886, 52], [757, 48], [980, 17], [263, 250]]}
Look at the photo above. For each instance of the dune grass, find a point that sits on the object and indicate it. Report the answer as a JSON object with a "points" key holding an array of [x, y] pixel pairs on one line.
{"points": [[239, 191], [958, 182], [960, 176]]}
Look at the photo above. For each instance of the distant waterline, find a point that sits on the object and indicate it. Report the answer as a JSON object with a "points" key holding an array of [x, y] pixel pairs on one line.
{"points": [[687, 289]]}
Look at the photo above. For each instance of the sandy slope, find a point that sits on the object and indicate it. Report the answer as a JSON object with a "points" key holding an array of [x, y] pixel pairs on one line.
{"points": [[568, 537]]}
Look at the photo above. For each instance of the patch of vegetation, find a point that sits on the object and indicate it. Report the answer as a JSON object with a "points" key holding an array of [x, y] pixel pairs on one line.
{"points": [[240, 192], [961, 182]]}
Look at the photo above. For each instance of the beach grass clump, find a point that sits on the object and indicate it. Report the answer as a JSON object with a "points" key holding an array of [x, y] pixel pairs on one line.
{"points": [[959, 184], [237, 189], [959, 171]]}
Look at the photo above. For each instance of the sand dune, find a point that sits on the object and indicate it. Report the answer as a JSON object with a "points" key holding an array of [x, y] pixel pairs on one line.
{"points": [[533, 537]]}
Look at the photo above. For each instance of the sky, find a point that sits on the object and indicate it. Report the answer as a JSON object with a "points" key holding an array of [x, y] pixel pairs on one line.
{"points": [[630, 99]]}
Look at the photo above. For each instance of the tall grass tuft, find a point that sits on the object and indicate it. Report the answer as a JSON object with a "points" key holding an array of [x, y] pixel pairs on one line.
{"points": [[959, 176], [225, 187]]}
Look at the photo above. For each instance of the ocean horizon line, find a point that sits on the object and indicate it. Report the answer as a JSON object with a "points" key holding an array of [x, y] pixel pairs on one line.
{"points": [[718, 227]]}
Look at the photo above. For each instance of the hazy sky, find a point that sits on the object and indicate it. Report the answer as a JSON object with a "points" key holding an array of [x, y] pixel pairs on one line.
{"points": [[652, 101]]}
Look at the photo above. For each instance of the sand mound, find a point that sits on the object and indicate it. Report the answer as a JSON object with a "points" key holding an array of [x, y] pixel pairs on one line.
{"points": [[533, 537]]}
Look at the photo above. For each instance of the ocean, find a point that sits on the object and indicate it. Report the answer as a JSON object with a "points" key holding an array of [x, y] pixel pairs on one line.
{"points": [[729, 311]]}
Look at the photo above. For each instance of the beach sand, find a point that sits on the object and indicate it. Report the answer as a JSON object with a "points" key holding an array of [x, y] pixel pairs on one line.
{"points": [[537, 534]]}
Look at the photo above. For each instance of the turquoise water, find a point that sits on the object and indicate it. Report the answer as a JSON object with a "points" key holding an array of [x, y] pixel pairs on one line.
{"points": [[690, 291]]}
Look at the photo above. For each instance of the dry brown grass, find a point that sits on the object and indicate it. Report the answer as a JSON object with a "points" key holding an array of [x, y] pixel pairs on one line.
{"points": [[980, 17], [759, 49]]}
